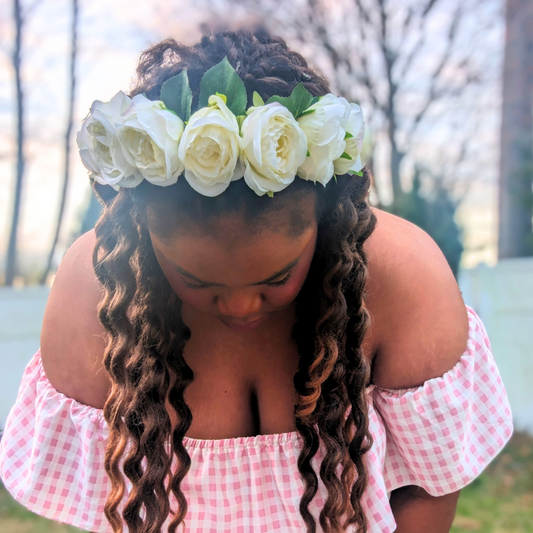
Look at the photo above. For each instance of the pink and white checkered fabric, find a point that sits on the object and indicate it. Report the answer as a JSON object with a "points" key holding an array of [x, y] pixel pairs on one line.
{"points": [[439, 436]]}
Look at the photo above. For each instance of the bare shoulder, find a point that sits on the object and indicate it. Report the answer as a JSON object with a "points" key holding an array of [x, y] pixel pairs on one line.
{"points": [[72, 338], [419, 320]]}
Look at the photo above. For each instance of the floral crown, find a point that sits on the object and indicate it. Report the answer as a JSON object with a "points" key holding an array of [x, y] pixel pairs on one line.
{"points": [[126, 140]]}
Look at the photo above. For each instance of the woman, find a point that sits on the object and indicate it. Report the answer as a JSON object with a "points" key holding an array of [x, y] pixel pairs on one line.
{"points": [[254, 350]]}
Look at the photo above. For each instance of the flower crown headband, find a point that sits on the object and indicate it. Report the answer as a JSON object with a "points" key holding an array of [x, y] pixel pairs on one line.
{"points": [[126, 140]]}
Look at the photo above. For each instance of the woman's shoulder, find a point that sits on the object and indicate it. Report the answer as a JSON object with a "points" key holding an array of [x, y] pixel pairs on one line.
{"points": [[72, 338], [419, 322]]}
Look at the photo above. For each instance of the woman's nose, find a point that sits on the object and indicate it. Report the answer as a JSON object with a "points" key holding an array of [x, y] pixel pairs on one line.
{"points": [[239, 303]]}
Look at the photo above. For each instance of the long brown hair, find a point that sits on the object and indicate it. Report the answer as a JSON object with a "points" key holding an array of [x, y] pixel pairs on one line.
{"points": [[142, 314]]}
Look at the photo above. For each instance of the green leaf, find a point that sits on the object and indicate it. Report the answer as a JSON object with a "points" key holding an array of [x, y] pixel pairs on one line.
{"points": [[335, 177], [270, 194], [298, 102], [348, 135], [307, 112], [257, 99], [223, 79], [301, 98], [176, 94], [346, 156], [224, 97], [308, 153], [283, 100], [354, 173], [240, 120]]}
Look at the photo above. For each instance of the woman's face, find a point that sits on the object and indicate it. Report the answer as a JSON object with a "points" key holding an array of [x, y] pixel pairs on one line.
{"points": [[238, 278]]}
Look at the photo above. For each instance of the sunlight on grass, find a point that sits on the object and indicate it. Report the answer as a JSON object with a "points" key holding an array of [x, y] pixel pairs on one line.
{"points": [[501, 499], [14, 518]]}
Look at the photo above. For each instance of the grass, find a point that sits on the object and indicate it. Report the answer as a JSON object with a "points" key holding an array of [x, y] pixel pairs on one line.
{"points": [[14, 518], [501, 499], [498, 501]]}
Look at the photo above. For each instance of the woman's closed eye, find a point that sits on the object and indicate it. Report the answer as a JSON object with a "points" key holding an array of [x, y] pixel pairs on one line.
{"points": [[279, 283]]}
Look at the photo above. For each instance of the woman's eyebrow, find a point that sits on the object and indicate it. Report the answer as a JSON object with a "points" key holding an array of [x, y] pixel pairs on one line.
{"points": [[277, 274]]}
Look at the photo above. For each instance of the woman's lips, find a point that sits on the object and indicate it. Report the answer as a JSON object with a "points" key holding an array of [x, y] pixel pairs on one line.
{"points": [[246, 326]]}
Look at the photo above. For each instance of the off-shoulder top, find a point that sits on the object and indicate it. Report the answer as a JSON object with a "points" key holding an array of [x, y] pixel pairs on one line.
{"points": [[438, 436]]}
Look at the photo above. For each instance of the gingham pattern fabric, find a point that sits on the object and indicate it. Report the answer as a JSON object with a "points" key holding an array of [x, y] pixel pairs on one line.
{"points": [[439, 436]]}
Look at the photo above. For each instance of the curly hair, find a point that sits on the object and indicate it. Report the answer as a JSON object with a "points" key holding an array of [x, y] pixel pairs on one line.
{"points": [[146, 334]]}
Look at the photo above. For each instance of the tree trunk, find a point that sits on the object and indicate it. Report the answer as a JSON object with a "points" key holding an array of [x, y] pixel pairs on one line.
{"points": [[516, 172], [396, 159], [70, 120], [11, 257]]}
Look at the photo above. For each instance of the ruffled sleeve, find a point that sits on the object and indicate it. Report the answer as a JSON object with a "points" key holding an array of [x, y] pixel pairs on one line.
{"points": [[441, 435], [52, 454]]}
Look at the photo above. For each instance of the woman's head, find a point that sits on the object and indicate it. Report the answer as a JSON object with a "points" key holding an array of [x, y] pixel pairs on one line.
{"points": [[158, 242], [240, 264]]}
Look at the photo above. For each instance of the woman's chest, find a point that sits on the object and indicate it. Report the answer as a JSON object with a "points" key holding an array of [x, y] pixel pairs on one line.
{"points": [[240, 388]]}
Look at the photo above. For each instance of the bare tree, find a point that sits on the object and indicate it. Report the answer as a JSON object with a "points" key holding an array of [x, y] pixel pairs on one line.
{"points": [[19, 17], [515, 237], [410, 63], [11, 259], [70, 119]]}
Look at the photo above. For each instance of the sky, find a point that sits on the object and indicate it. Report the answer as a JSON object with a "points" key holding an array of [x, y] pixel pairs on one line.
{"points": [[111, 37], [110, 41]]}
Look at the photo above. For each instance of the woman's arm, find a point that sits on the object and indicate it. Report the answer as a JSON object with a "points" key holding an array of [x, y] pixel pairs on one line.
{"points": [[72, 338], [420, 329], [415, 511], [419, 320]]}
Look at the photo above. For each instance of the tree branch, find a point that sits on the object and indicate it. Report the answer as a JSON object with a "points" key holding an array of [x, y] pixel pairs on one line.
{"points": [[316, 15], [365, 78], [406, 26], [429, 6], [364, 13], [435, 78], [419, 45]]}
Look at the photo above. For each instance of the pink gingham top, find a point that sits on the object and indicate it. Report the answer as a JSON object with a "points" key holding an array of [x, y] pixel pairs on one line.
{"points": [[439, 436]]}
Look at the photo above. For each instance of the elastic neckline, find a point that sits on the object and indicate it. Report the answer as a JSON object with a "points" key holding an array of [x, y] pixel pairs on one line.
{"points": [[253, 441]]}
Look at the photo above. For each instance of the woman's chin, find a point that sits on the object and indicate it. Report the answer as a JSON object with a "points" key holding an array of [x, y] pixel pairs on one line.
{"points": [[244, 326]]}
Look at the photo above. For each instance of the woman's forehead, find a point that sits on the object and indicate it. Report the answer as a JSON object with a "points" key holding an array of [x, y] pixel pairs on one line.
{"points": [[251, 258], [291, 214]]}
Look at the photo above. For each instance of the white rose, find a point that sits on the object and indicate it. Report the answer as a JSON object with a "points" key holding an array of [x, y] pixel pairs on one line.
{"points": [[325, 137], [274, 146], [150, 138], [210, 148], [100, 148], [356, 127]]}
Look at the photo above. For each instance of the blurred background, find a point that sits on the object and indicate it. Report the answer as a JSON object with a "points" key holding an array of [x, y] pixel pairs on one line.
{"points": [[446, 87]]}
